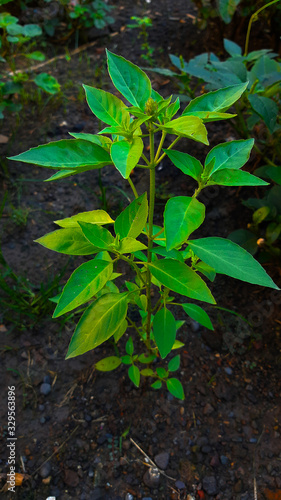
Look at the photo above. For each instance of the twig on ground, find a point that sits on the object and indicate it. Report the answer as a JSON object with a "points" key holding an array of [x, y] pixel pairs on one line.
{"points": [[152, 464]]}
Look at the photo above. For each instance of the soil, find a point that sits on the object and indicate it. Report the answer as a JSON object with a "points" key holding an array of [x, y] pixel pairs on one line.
{"points": [[86, 435]]}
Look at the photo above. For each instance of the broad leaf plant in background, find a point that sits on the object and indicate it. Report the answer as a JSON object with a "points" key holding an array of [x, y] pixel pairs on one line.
{"points": [[164, 260]]}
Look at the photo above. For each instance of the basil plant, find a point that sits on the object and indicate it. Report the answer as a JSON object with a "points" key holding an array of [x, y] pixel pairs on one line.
{"points": [[164, 260]]}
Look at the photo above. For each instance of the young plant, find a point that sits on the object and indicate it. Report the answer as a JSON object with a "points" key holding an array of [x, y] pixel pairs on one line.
{"points": [[164, 260], [142, 24]]}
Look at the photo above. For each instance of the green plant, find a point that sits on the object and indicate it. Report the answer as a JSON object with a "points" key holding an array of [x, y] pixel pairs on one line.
{"points": [[142, 24], [16, 41], [160, 260]]}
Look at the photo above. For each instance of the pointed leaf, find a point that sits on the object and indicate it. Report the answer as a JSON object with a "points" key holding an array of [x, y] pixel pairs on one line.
{"points": [[232, 177], [107, 107], [198, 314], [94, 217], [182, 216], [174, 363], [186, 163], [66, 154], [181, 279], [102, 237], [232, 154], [232, 48], [98, 323], [120, 330], [229, 258], [130, 80], [100, 140], [164, 331], [175, 388], [187, 126], [130, 245], [108, 364], [132, 220], [83, 284], [70, 241], [177, 345], [134, 375], [126, 154], [157, 384], [266, 108], [129, 346]]}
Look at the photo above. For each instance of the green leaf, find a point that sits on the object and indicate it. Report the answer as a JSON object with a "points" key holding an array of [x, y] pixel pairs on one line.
{"points": [[232, 177], [129, 346], [266, 108], [175, 388], [186, 163], [232, 48], [146, 358], [246, 239], [228, 258], [70, 241], [182, 216], [66, 154], [107, 107], [32, 30], [97, 235], [161, 372], [130, 245], [177, 345], [147, 372], [134, 375], [36, 55], [227, 9], [108, 364], [132, 220], [94, 217], [217, 101], [130, 80], [48, 83], [127, 360], [260, 214], [100, 140], [126, 154], [198, 314], [98, 323], [172, 254], [157, 384], [120, 330], [174, 363], [164, 331], [205, 269], [83, 284], [181, 279], [191, 127], [231, 155]]}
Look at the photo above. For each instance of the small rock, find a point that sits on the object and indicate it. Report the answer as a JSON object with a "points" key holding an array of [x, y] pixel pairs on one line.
{"points": [[126, 444], [42, 420], [45, 389], [180, 485], [47, 379], [214, 461], [224, 460], [208, 409], [71, 478], [152, 477], [41, 407], [129, 496], [195, 326], [146, 498], [228, 370], [162, 460], [45, 470], [210, 485]]}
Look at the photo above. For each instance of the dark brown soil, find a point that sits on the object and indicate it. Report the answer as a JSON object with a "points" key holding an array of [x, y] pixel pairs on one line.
{"points": [[223, 441]]}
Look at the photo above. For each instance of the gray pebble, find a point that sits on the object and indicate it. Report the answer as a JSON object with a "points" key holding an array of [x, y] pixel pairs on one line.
{"points": [[210, 485], [162, 460], [180, 485], [45, 389], [224, 460], [228, 370], [47, 379], [45, 470], [152, 478], [129, 496], [41, 407], [42, 420]]}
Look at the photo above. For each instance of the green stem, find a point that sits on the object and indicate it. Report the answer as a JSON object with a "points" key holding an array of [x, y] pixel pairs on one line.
{"points": [[133, 187], [170, 147], [144, 158], [134, 266], [252, 19], [150, 228], [160, 145]]}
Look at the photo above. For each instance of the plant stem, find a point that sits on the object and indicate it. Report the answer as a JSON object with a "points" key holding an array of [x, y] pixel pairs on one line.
{"points": [[170, 147], [252, 19], [150, 228], [133, 187]]}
